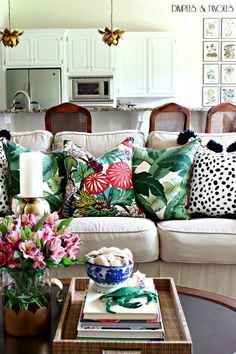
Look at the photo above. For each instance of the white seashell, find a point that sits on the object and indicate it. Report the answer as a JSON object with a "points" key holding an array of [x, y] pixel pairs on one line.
{"points": [[116, 262], [101, 260]]}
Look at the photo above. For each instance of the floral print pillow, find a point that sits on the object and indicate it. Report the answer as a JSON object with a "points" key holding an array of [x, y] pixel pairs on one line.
{"points": [[161, 180], [99, 186]]}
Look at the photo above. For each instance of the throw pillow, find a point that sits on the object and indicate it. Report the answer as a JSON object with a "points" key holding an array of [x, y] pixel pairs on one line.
{"points": [[213, 183], [54, 175], [4, 202], [99, 186], [161, 179]]}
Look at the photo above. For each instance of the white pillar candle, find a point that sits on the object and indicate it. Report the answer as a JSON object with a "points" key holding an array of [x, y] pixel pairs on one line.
{"points": [[31, 175]]}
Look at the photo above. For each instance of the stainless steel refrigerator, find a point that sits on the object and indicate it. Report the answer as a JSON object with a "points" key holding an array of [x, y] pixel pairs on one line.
{"points": [[42, 85]]}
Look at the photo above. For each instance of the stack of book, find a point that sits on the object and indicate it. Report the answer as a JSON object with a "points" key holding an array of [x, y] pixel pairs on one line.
{"points": [[140, 323]]}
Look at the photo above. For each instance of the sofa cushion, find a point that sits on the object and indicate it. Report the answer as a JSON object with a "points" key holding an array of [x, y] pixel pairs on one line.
{"points": [[102, 186], [160, 139], [54, 175], [161, 179], [98, 143], [4, 201], [198, 240], [37, 139], [137, 234], [213, 183]]}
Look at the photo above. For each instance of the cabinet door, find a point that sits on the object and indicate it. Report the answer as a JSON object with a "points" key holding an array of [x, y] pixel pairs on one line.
{"points": [[101, 56], [132, 67], [79, 54], [161, 66], [22, 54], [48, 49]]}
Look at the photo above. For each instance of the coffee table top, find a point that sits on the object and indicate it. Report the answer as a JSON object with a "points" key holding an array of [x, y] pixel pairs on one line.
{"points": [[211, 320]]}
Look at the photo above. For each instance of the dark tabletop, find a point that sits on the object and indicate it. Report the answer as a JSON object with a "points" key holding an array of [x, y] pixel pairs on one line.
{"points": [[212, 327]]}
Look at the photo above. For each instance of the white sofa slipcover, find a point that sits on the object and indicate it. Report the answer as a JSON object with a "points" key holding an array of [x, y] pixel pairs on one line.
{"points": [[198, 253]]}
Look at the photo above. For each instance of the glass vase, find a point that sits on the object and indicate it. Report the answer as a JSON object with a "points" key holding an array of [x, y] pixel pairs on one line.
{"points": [[26, 299]]}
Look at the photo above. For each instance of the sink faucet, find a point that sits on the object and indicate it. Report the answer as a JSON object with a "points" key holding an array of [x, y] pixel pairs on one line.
{"points": [[25, 94]]}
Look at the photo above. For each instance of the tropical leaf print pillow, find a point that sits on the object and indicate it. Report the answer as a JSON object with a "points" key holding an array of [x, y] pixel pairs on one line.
{"points": [[99, 186], [161, 179], [54, 175]]}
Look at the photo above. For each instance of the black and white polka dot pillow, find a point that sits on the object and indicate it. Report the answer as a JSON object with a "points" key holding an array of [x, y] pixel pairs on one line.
{"points": [[4, 203], [213, 183]]}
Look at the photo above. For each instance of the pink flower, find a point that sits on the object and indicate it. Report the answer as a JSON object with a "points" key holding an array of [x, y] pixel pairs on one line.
{"points": [[13, 238], [28, 248], [72, 246], [39, 261], [58, 254], [3, 259], [52, 218], [29, 219], [46, 234], [12, 263]]}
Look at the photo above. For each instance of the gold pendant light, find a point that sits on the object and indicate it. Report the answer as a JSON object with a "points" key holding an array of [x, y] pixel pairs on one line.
{"points": [[10, 39], [111, 37]]}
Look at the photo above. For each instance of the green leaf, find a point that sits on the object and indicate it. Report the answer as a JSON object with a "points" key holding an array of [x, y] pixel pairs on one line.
{"points": [[17, 254], [3, 228], [40, 223], [146, 207], [49, 166], [81, 172], [38, 242], [121, 196], [144, 183], [23, 235], [70, 163], [54, 201], [63, 224], [176, 162]]}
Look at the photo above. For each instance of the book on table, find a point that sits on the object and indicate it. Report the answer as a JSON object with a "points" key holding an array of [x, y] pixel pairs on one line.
{"points": [[144, 322]]}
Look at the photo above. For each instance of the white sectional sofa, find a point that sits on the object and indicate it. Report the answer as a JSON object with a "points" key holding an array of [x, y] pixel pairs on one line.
{"points": [[198, 253]]}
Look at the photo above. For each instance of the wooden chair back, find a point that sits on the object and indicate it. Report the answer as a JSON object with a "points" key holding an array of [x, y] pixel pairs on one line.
{"points": [[169, 117], [221, 118], [68, 117]]}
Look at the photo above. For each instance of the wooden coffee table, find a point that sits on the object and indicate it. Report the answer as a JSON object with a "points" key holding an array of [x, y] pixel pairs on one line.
{"points": [[211, 320]]}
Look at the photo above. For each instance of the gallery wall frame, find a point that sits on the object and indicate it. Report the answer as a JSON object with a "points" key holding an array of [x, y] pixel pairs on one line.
{"points": [[228, 50], [228, 94], [228, 74], [210, 51], [210, 73], [210, 96], [211, 28], [228, 28]]}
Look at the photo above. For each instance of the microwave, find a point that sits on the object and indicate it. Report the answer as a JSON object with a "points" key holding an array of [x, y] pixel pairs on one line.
{"points": [[92, 88]]}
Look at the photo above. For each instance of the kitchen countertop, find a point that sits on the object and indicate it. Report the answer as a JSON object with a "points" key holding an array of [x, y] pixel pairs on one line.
{"points": [[99, 109]]}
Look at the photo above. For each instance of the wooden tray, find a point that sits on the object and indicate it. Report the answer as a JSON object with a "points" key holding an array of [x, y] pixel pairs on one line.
{"points": [[177, 336]]}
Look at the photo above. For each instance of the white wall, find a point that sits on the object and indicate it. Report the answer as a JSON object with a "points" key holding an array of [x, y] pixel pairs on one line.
{"points": [[132, 15]]}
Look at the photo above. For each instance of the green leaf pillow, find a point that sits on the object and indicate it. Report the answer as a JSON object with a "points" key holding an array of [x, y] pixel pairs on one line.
{"points": [[54, 175], [161, 179], [99, 186]]}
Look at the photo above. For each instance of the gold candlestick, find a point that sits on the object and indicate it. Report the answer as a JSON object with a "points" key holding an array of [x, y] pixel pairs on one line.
{"points": [[36, 206]]}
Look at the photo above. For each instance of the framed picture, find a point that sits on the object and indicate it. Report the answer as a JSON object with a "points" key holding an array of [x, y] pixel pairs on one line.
{"points": [[211, 28], [210, 73], [228, 94], [228, 51], [228, 28], [210, 96], [210, 50], [228, 73]]}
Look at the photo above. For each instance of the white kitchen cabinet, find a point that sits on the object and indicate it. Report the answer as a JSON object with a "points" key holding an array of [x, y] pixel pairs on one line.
{"points": [[88, 54], [36, 48], [146, 65], [131, 69]]}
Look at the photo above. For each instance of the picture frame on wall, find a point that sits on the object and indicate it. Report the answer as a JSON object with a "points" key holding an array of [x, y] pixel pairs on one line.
{"points": [[228, 74], [228, 51], [211, 28], [210, 73], [228, 94], [210, 51], [228, 28], [210, 96]]}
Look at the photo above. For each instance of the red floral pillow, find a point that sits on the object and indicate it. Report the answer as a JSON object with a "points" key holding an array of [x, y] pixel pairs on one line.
{"points": [[99, 186]]}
